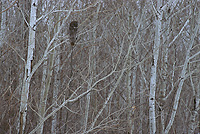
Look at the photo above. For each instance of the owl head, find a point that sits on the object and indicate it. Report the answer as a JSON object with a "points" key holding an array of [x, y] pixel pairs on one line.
{"points": [[73, 26]]}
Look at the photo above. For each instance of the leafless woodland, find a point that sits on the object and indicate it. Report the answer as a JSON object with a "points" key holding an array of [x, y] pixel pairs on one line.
{"points": [[134, 68]]}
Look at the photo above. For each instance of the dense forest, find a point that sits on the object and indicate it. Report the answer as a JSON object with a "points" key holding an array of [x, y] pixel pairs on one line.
{"points": [[100, 67]]}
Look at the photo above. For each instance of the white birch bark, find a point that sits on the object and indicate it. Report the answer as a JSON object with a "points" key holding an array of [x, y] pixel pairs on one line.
{"points": [[26, 82], [152, 116], [36, 66], [163, 87], [182, 77], [3, 22], [177, 97]]}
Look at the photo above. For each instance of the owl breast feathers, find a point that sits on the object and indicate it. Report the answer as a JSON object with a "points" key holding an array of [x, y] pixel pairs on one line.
{"points": [[73, 27]]}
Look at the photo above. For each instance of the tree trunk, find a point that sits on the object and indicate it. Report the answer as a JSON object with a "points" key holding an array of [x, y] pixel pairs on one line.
{"points": [[196, 91], [56, 80], [152, 116], [26, 82], [3, 22], [47, 74], [182, 79]]}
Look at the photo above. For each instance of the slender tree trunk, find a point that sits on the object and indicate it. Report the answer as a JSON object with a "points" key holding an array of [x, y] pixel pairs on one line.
{"points": [[3, 22], [130, 94], [141, 107], [164, 67], [26, 82], [152, 116], [196, 91], [56, 80], [47, 74], [88, 96], [131, 78], [182, 78], [43, 87], [92, 68]]}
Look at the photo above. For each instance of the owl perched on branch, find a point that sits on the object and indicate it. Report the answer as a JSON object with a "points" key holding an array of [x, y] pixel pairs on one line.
{"points": [[73, 27]]}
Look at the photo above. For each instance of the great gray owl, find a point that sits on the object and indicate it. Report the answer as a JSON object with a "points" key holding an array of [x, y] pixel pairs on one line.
{"points": [[73, 27]]}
